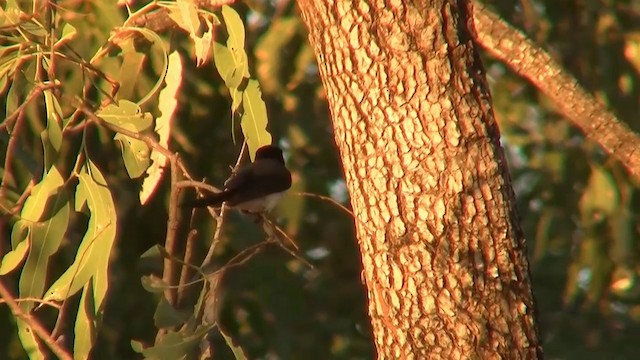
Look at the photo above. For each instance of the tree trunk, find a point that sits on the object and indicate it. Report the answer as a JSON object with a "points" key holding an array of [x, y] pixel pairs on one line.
{"points": [[442, 251]]}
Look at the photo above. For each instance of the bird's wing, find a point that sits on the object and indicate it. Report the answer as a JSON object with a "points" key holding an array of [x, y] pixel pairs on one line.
{"points": [[258, 179], [238, 179]]}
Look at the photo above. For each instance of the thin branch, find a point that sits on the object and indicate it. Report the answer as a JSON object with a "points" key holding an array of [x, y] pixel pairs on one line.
{"points": [[583, 110], [35, 300], [18, 116], [269, 224], [33, 323], [173, 224], [197, 185], [223, 211], [37, 90], [186, 272], [327, 199]]}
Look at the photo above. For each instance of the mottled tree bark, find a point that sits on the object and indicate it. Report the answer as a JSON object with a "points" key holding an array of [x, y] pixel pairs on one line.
{"points": [[443, 255]]}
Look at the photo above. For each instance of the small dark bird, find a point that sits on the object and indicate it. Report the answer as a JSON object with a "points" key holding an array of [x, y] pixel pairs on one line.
{"points": [[256, 187]]}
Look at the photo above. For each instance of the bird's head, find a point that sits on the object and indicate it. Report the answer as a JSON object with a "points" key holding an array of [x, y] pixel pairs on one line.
{"points": [[270, 152]]}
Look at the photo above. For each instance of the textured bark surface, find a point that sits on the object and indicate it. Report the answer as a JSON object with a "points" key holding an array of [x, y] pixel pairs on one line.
{"points": [[443, 256]]}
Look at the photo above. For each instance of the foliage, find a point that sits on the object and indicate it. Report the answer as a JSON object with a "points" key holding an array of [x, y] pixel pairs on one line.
{"points": [[41, 46]]}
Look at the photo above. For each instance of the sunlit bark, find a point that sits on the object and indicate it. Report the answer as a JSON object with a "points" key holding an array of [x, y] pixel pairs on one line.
{"points": [[443, 255]]}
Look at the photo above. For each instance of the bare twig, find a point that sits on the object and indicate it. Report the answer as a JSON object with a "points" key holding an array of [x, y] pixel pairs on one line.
{"points": [[186, 272], [35, 300], [583, 110], [197, 185], [33, 323], [273, 226], [8, 159], [173, 222], [327, 199]]}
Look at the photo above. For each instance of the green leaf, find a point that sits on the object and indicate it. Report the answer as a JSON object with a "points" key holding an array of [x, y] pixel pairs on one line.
{"points": [[54, 119], [69, 32], [13, 97], [85, 327], [235, 29], [49, 205], [229, 69], [175, 345], [238, 352], [137, 346], [92, 257], [168, 103], [203, 44], [159, 43], [153, 284], [166, 316], [14, 258], [19, 233], [236, 99], [29, 341], [133, 63], [254, 120], [127, 115], [136, 155], [189, 17], [46, 215], [231, 60], [601, 197]]}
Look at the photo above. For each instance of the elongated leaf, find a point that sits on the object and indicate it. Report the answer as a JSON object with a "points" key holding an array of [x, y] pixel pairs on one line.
{"points": [[230, 70], [133, 63], [126, 114], [52, 136], [168, 102], [189, 17], [29, 341], [175, 345], [46, 213], [19, 233], [166, 316], [69, 32], [44, 236], [84, 330], [14, 258], [135, 153], [54, 119], [95, 248], [254, 120], [238, 352], [204, 44], [235, 28], [601, 197]]}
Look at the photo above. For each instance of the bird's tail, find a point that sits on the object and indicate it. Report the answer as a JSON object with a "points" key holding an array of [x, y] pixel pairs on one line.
{"points": [[214, 200]]}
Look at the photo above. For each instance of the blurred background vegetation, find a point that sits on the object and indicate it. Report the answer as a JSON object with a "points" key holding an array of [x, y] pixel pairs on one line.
{"points": [[578, 209]]}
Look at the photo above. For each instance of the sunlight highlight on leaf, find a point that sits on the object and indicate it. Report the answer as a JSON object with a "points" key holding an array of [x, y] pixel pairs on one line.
{"points": [[167, 104], [92, 257], [254, 119]]}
